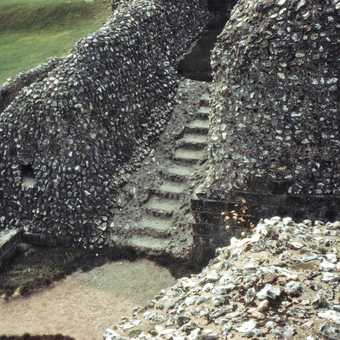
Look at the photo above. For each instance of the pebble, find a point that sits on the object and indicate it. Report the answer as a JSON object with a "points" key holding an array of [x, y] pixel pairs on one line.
{"points": [[79, 133], [269, 292], [293, 288], [286, 297]]}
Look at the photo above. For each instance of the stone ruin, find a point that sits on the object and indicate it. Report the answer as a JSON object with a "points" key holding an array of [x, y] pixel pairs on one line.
{"points": [[275, 128], [11, 88], [69, 140]]}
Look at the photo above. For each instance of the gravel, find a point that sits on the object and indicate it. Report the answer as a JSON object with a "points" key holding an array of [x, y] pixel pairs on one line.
{"points": [[273, 284]]}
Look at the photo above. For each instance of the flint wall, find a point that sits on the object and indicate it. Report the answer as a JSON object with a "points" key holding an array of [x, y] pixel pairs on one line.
{"points": [[275, 125], [68, 142], [10, 89]]}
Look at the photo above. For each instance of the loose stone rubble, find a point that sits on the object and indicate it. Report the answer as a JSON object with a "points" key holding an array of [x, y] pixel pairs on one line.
{"points": [[281, 282], [274, 126], [69, 141]]}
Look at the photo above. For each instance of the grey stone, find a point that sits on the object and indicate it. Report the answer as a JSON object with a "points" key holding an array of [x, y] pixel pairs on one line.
{"points": [[269, 292], [72, 139], [280, 107], [293, 288], [281, 296]]}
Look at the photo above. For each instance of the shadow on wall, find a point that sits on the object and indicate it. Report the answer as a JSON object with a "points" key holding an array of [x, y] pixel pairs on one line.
{"points": [[196, 63]]}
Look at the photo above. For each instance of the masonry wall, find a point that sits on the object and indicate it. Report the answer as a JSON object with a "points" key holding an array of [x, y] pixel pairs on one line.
{"points": [[275, 117], [10, 89], [69, 141]]}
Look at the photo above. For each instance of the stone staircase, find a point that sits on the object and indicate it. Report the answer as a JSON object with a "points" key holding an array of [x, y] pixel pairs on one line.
{"points": [[158, 232]]}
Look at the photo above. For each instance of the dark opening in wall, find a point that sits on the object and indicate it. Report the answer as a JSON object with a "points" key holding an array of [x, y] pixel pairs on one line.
{"points": [[331, 215], [196, 63], [221, 5], [27, 175]]}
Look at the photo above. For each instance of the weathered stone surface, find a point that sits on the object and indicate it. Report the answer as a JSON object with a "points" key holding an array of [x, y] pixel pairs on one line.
{"points": [[154, 217], [69, 141], [280, 282], [9, 240], [10, 89], [275, 126]]}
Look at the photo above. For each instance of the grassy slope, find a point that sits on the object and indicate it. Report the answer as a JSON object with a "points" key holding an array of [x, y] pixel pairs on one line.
{"points": [[31, 31]]}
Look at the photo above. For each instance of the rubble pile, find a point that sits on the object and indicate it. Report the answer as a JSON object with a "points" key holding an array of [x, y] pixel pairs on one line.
{"points": [[69, 141], [281, 282], [274, 126]]}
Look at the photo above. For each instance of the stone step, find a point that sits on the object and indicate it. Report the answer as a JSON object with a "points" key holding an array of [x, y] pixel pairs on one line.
{"points": [[162, 203], [171, 189], [197, 126], [9, 241], [153, 226], [154, 246], [203, 112], [178, 173], [157, 232], [160, 206], [189, 156], [194, 141], [199, 123], [158, 212], [148, 244], [205, 100]]}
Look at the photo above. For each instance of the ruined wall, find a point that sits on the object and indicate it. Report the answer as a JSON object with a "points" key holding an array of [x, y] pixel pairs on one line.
{"points": [[115, 4], [275, 118], [10, 89], [68, 141]]}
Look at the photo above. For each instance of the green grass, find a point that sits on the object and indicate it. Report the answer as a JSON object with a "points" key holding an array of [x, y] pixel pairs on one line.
{"points": [[31, 31]]}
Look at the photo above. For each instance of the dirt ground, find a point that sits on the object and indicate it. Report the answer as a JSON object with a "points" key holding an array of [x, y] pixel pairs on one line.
{"points": [[26, 301], [36, 337], [36, 267], [83, 304]]}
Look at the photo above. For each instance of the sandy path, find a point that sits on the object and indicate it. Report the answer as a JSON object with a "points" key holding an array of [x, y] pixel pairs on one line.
{"points": [[84, 304]]}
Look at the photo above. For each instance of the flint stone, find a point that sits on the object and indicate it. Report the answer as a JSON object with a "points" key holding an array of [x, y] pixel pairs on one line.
{"points": [[281, 107], [78, 133], [269, 292]]}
